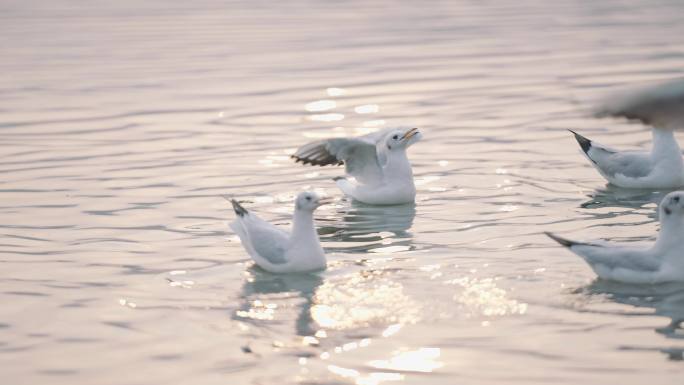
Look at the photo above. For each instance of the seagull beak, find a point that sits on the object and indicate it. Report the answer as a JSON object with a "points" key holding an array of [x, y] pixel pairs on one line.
{"points": [[324, 201], [410, 133]]}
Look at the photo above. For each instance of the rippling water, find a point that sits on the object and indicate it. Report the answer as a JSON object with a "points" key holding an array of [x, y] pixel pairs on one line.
{"points": [[122, 123]]}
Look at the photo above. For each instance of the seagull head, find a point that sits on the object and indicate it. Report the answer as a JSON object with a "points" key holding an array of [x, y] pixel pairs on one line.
{"points": [[400, 139], [672, 206], [310, 201]]}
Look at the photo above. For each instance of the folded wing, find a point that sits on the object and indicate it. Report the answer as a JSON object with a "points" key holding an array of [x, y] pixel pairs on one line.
{"points": [[617, 257], [262, 239]]}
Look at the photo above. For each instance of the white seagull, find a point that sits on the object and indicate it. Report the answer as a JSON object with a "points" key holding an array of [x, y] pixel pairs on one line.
{"points": [[377, 161], [274, 249], [660, 106], [660, 262]]}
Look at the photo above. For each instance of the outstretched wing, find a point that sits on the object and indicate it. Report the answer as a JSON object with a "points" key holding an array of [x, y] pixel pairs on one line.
{"points": [[359, 155]]}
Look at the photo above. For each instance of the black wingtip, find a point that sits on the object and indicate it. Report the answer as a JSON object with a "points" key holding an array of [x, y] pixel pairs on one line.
{"points": [[237, 207], [583, 142], [562, 241], [314, 162]]}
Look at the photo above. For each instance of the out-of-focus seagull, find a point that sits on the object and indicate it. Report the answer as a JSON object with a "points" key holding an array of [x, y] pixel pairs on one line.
{"points": [[377, 161], [660, 106]]}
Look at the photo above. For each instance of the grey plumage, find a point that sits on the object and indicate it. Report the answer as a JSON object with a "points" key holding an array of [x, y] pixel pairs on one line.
{"points": [[237, 207], [584, 143], [316, 154], [563, 241], [661, 105]]}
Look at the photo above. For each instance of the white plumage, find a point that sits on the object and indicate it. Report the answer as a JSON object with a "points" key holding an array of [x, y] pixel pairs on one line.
{"points": [[378, 163], [276, 250], [662, 261]]}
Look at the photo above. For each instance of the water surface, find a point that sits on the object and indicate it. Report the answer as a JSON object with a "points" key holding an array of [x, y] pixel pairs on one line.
{"points": [[122, 124]]}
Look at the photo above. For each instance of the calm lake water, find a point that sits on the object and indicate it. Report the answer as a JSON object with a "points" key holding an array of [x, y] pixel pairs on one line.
{"points": [[123, 122]]}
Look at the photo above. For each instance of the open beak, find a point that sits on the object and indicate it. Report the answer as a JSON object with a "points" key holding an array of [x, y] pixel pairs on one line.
{"points": [[410, 133], [324, 201]]}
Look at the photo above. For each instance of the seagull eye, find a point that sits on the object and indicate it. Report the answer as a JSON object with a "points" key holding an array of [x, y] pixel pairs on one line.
{"points": [[395, 137], [308, 198], [676, 199]]}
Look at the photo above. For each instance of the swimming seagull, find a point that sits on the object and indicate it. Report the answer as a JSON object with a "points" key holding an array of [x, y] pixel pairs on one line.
{"points": [[377, 161], [662, 261], [660, 106], [276, 250]]}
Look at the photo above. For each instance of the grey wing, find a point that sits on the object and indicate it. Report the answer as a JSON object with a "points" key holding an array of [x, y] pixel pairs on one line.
{"points": [[629, 164], [267, 240], [610, 162], [317, 154], [617, 257], [358, 154], [661, 105]]}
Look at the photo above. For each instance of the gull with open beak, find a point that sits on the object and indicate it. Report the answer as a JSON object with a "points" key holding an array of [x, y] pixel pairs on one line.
{"points": [[377, 162], [277, 251]]}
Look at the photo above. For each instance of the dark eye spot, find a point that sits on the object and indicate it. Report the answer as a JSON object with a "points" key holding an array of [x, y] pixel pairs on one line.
{"points": [[308, 198], [395, 137], [667, 211], [676, 199]]}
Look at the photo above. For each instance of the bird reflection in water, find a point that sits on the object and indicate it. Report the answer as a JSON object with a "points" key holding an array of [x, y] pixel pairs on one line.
{"points": [[361, 299], [373, 227], [265, 294], [613, 196], [666, 299]]}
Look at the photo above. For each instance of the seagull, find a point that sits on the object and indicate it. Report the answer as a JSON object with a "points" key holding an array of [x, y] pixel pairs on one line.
{"points": [[377, 161], [661, 107], [276, 250], [660, 262]]}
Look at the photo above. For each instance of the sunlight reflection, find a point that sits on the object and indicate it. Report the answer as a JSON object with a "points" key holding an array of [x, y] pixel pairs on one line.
{"points": [[374, 123], [484, 297], [390, 249], [423, 360], [364, 130], [259, 311], [325, 134], [391, 330], [426, 179], [320, 105], [332, 117], [367, 109], [334, 91], [374, 378], [363, 299], [508, 208], [124, 302], [274, 160]]}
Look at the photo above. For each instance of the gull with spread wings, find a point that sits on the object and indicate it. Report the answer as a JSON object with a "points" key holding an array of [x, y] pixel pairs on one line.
{"points": [[377, 162]]}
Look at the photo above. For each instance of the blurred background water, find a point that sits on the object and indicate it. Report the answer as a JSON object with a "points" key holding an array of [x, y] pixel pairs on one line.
{"points": [[122, 123]]}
